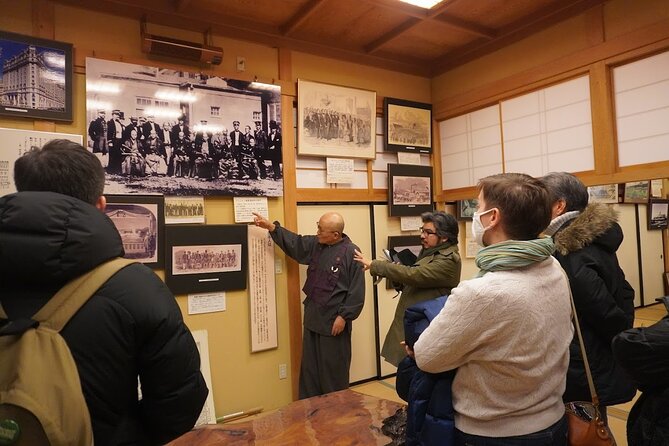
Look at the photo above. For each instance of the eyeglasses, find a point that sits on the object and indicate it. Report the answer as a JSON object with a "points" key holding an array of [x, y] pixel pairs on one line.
{"points": [[427, 232], [321, 231]]}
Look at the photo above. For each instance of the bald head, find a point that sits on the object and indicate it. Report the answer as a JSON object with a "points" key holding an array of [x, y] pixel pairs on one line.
{"points": [[332, 221]]}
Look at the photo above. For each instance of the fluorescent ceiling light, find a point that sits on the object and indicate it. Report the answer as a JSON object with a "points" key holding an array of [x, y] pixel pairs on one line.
{"points": [[427, 4]]}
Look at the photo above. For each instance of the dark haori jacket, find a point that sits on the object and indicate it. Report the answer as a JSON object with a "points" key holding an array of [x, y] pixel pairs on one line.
{"points": [[130, 327], [586, 248], [430, 415], [644, 353]]}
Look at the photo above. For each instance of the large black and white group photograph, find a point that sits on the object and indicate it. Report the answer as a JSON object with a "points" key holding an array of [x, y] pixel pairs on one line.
{"points": [[206, 259], [159, 130]]}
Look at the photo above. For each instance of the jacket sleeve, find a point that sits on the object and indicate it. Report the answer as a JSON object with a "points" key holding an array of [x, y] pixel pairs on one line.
{"points": [[437, 271], [173, 389], [298, 247], [355, 297]]}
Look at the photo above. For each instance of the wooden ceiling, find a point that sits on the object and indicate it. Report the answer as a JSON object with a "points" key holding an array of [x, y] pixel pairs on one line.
{"points": [[383, 33]]}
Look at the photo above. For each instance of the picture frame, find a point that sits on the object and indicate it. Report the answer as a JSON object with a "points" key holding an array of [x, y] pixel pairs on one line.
{"points": [[206, 258], [335, 121], [409, 189], [401, 242], [408, 126], [47, 95], [636, 192], [604, 193], [140, 221], [658, 213], [465, 208]]}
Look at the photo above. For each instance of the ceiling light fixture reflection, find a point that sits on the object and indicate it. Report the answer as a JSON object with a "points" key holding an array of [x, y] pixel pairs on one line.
{"points": [[177, 96], [206, 128], [102, 87], [427, 4], [93, 104], [162, 112]]}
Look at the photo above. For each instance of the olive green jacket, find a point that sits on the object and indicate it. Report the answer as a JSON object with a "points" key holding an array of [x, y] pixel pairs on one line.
{"points": [[435, 272]]}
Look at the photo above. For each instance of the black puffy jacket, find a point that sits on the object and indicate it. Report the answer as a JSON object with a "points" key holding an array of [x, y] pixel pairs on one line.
{"points": [[586, 248], [131, 327]]}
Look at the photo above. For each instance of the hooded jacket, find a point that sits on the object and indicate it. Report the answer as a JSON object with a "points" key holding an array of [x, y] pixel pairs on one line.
{"points": [[586, 248], [131, 327]]}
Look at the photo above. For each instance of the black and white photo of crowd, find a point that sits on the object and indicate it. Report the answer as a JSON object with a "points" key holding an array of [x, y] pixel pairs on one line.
{"points": [[334, 126], [206, 259], [182, 133]]}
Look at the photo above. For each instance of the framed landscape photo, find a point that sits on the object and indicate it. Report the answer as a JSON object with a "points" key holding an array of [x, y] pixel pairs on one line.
{"points": [[36, 77], [140, 221], [636, 192], [408, 126], [658, 213], [205, 258], [335, 121], [466, 208], [409, 189], [605, 193]]}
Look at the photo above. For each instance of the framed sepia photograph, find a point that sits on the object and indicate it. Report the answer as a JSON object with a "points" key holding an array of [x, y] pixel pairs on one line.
{"points": [[636, 192], [466, 208], [335, 121], [605, 193], [409, 189], [206, 258], [658, 212], [36, 77], [139, 220], [180, 210], [408, 126]]}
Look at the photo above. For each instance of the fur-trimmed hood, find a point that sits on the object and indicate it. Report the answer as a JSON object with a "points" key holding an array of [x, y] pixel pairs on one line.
{"points": [[596, 224]]}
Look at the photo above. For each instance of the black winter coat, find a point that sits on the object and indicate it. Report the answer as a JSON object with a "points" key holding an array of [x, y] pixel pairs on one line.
{"points": [[586, 248], [131, 327], [644, 353]]}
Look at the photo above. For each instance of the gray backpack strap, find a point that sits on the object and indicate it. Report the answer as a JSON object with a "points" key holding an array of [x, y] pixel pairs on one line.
{"points": [[69, 299]]}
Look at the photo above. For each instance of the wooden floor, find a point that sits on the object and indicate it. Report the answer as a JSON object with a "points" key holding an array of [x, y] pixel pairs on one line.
{"points": [[617, 414]]}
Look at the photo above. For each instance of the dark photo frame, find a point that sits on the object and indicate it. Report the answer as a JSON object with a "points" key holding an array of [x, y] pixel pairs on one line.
{"points": [[636, 192], [408, 126], [401, 242], [409, 190], [466, 208], [206, 258], [48, 95], [658, 213], [140, 221]]}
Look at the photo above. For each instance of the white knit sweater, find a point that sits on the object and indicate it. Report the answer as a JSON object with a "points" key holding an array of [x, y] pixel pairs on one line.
{"points": [[508, 334]]}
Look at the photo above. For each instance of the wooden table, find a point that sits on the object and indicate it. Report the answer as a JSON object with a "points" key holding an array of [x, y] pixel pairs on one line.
{"points": [[337, 419]]}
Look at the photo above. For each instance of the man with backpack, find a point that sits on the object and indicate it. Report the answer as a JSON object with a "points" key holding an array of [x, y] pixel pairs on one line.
{"points": [[52, 232]]}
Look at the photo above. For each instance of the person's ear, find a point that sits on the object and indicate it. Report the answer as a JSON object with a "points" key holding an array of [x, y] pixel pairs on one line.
{"points": [[101, 204]]}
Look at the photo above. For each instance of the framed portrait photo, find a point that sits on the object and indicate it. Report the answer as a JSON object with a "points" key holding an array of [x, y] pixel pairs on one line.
{"points": [[466, 208], [408, 126], [636, 192], [409, 189], [205, 258], [658, 213], [140, 221], [335, 121], [36, 77]]}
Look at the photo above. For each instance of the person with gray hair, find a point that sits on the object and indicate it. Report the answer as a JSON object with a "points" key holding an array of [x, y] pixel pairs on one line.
{"points": [[435, 272], [586, 238]]}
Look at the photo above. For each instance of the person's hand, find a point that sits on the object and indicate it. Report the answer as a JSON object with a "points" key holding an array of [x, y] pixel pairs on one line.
{"points": [[357, 256], [262, 222], [338, 326], [409, 350]]}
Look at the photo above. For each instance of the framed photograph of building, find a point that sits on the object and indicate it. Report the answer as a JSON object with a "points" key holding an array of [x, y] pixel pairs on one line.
{"points": [[409, 189], [36, 77], [408, 126], [466, 208], [636, 192], [206, 258], [605, 193], [658, 213], [140, 223], [335, 121]]}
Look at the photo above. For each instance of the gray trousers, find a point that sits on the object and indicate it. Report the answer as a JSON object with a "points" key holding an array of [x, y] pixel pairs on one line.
{"points": [[326, 361]]}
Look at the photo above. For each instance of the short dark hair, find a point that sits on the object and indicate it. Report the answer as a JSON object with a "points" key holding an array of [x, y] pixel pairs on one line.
{"points": [[61, 166], [521, 199], [567, 187], [445, 224]]}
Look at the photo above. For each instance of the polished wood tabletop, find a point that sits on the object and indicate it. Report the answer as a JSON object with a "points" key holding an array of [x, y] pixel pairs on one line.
{"points": [[336, 419]]}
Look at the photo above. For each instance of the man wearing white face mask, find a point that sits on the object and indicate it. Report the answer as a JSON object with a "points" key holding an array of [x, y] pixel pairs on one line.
{"points": [[508, 330]]}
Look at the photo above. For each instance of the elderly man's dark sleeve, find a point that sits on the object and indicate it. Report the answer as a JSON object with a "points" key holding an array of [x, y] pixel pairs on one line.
{"points": [[355, 296], [298, 247]]}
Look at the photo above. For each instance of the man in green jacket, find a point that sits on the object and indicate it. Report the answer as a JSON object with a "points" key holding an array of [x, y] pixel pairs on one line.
{"points": [[435, 272]]}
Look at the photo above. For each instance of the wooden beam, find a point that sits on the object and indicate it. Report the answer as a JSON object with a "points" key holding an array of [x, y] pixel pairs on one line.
{"points": [[392, 34], [463, 25], [182, 5], [303, 14]]}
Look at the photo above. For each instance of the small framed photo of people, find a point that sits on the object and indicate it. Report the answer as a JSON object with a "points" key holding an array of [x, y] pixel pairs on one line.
{"points": [[206, 258], [36, 78], [408, 126], [180, 210], [658, 213], [140, 222], [335, 121], [466, 208], [636, 192], [409, 189]]}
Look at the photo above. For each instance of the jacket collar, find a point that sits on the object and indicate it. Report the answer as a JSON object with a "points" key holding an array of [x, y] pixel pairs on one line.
{"points": [[594, 221]]}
